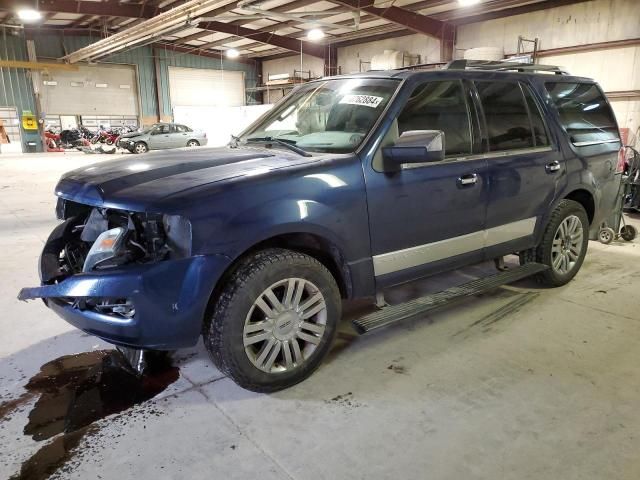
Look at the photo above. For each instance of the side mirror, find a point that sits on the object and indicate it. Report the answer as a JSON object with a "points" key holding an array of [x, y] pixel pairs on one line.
{"points": [[415, 146]]}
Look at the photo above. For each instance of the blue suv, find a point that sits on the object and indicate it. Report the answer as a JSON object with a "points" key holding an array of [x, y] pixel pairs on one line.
{"points": [[349, 185]]}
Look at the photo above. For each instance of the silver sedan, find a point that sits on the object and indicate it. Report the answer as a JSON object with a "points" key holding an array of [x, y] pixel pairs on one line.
{"points": [[162, 136]]}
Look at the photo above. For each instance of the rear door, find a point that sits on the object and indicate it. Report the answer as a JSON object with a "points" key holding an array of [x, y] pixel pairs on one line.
{"points": [[181, 135], [525, 168]]}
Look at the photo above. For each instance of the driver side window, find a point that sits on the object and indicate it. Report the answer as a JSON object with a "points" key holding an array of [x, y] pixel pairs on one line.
{"points": [[439, 105]]}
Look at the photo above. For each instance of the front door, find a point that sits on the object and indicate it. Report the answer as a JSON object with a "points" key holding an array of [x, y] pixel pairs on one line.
{"points": [[429, 217], [160, 137], [524, 167]]}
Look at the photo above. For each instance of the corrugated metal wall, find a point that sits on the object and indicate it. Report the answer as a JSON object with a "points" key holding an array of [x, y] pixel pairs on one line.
{"points": [[15, 84]]}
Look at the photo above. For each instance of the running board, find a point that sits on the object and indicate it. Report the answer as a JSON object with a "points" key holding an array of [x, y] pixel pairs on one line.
{"points": [[406, 311]]}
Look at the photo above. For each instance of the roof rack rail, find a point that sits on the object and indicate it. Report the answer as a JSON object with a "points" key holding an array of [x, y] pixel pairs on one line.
{"points": [[503, 66]]}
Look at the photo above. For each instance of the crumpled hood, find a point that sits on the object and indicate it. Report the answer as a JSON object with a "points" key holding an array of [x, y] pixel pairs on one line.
{"points": [[131, 134], [138, 182]]}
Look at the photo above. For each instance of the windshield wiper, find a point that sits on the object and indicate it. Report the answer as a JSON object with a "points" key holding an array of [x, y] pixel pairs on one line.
{"points": [[290, 144]]}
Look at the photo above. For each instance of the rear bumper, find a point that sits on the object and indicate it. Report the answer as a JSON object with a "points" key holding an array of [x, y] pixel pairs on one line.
{"points": [[170, 299]]}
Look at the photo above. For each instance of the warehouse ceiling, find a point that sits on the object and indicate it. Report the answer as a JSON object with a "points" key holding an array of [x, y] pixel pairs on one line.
{"points": [[268, 28]]}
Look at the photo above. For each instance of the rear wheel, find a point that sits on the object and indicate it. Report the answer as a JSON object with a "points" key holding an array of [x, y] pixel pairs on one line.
{"points": [[274, 321], [193, 143], [563, 246]]}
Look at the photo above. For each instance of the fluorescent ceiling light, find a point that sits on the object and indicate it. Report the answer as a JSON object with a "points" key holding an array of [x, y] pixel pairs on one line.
{"points": [[232, 53], [468, 3], [315, 34], [29, 15]]}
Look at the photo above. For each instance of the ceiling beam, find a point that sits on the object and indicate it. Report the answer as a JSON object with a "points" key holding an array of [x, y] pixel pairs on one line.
{"points": [[269, 38], [509, 12], [413, 21], [144, 11]]}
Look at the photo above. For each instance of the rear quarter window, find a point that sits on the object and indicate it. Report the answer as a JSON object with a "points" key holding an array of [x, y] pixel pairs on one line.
{"points": [[584, 113]]}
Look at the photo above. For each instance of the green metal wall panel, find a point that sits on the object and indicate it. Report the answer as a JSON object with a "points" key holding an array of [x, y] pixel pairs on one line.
{"points": [[15, 83]]}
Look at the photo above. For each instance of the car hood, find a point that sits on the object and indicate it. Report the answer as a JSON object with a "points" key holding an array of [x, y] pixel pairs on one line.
{"points": [[139, 183], [132, 134]]}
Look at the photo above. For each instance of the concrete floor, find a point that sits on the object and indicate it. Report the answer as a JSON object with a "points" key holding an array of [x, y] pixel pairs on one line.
{"points": [[522, 383]]}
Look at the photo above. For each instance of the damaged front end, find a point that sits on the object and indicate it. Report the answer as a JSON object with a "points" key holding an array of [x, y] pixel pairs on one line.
{"points": [[97, 239], [127, 277]]}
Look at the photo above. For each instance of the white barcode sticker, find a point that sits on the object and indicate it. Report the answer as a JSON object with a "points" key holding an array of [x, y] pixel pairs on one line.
{"points": [[364, 100]]}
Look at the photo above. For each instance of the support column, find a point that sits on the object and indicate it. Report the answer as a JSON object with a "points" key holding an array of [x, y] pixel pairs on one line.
{"points": [[159, 96], [447, 42]]}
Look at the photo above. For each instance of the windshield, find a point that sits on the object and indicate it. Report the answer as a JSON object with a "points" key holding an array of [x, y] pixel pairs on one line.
{"points": [[326, 116]]}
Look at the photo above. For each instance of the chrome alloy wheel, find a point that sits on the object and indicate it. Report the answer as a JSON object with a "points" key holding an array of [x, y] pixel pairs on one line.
{"points": [[567, 245], [285, 325]]}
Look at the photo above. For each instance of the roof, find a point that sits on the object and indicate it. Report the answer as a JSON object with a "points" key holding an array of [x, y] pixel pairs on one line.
{"points": [[252, 27]]}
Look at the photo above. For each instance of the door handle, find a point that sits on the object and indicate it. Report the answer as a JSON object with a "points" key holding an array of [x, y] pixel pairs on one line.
{"points": [[470, 179], [552, 167]]}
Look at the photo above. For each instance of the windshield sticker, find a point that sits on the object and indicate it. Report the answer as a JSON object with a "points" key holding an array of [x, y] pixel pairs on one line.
{"points": [[364, 100]]}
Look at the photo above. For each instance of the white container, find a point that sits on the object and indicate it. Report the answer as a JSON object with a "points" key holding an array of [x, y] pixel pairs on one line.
{"points": [[484, 53], [388, 60]]}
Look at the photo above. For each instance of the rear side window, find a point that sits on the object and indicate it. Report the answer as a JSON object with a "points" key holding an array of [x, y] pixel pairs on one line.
{"points": [[584, 112], [506, 116], [439, 105], [540, 137], [182, 128]]}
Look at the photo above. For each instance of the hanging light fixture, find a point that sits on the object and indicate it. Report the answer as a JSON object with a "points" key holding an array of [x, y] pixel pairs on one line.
{"points": [[232, 53], [315, 34], [29, 15]]}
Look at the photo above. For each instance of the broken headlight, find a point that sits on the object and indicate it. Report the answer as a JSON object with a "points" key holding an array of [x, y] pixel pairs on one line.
{"points": [[100, 238], [107, 246]]}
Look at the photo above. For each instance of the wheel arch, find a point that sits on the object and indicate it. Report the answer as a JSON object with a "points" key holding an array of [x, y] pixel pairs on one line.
{"points": [[584, 198], [312, 244]]}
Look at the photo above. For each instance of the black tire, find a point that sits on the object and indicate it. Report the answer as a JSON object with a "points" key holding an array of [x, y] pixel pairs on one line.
{"points": [[628, 233], [140, 147], [193, 143], [543, 252], [224, 327]]}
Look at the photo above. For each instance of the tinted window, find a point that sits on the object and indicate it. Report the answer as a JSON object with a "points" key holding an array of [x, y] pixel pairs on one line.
{"points": [[584, 112], [508, 125], [439, 106], [537, 123]]}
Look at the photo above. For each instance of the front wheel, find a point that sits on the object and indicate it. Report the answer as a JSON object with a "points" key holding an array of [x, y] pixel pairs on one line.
{"points": [[140, 147], [274, 320], [564, 244]]}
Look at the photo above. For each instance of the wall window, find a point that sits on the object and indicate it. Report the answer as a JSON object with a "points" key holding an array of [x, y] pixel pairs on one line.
{"points": [[584, 112], [505, 112], [439, 106], [537, 120]]}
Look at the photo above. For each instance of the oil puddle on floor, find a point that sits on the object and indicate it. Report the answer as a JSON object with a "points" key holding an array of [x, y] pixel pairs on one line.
{"points": [[74, 392]]}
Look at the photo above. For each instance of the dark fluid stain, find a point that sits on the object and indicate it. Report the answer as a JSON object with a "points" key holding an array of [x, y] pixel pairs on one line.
{"points": [[7, 408], [74, 392]]}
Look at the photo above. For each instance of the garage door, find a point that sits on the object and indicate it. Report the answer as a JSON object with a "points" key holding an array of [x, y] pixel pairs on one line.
{"points": [[205, 88], [105, 90], [11, 126]]}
